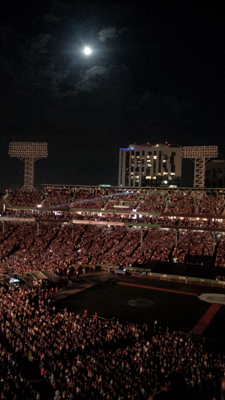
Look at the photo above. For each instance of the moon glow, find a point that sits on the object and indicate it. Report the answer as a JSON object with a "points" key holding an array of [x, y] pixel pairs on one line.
{"points": [[87, 51]]}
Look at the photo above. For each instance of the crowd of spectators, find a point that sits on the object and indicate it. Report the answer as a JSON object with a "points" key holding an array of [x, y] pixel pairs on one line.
{"points": [[89, 201], [29, 246], [38, 214], [220, 255], [24, 198], [133, 218], [13, 384], [210, 205], [155, 201], [128, 202], [185, 204], [193, 243], [81, 356], [72, 241]]}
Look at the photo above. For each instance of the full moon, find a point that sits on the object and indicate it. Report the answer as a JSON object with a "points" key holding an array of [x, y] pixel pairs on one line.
{"points": [[87, 51]]}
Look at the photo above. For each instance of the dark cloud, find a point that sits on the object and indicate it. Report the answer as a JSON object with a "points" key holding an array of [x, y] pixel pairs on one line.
{"points": [[110, 33], [91, 79]]}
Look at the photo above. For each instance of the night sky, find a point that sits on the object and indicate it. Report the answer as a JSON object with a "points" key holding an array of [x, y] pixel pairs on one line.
{"points": [[156, 75]]}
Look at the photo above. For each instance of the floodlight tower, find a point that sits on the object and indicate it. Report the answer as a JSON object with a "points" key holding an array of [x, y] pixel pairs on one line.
{"points": [[29, 152], [199, 155]]}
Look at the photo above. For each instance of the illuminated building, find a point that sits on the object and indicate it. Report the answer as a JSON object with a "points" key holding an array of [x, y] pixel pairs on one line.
{"points": [[150, 165]]}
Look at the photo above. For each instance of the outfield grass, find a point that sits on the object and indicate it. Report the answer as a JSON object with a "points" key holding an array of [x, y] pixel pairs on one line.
{"points": [[177, 311]]}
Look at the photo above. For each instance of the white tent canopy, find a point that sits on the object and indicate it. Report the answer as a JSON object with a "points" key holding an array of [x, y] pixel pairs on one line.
{"points": [[51, 276], [39, 275]]}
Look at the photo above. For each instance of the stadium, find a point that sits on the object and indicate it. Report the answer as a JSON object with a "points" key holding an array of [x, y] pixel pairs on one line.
{"points": [[112, 248], [106, 291]]}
